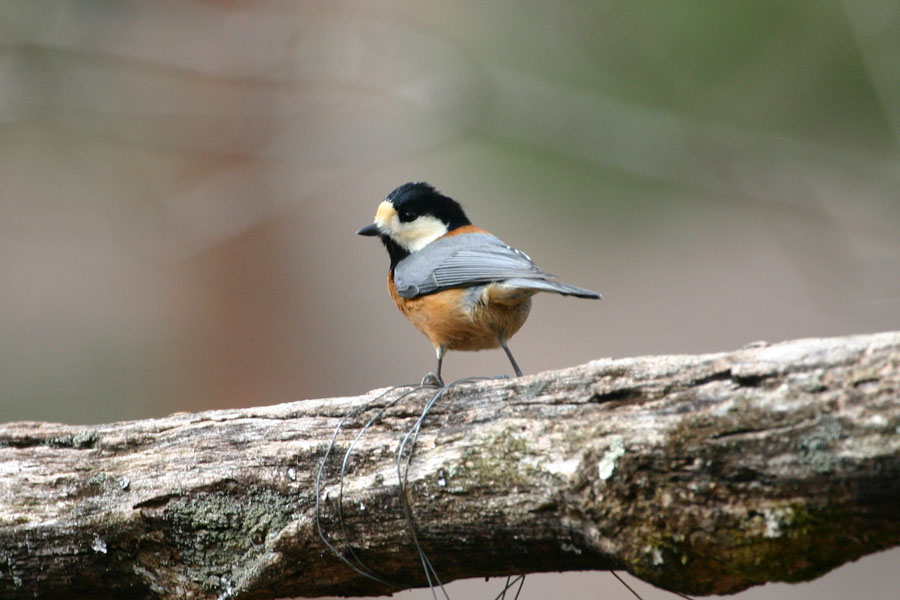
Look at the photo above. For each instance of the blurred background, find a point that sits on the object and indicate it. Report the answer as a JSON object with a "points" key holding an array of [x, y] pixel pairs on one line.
{"points": [[180, 183]]}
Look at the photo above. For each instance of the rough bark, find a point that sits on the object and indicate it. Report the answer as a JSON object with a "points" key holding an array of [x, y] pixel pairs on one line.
{"points": [[702, 474]]}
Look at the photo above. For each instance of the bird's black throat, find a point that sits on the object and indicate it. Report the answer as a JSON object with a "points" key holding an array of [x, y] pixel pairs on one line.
{"points": [[396, 252]]}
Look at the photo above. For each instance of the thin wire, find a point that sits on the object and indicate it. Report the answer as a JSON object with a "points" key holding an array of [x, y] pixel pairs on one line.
{"points": [[407, 447], [622, 581], [502, 595], [410, 439], [628, 587], [521, 583], [402, 475], [362, 569], [510, 581], [344, 464]]}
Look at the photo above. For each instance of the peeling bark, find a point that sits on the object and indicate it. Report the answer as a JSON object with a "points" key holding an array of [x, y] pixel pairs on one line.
{"points": [[700, 474]]}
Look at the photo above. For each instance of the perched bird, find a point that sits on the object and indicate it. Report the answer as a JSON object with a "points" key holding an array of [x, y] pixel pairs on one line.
{"points": [[461, 286]]}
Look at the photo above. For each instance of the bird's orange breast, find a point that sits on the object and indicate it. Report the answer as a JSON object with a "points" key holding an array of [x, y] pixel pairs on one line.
{"points": [[465, 318]]}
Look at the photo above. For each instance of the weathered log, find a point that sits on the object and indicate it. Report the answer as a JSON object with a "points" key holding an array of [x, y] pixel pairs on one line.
{"points": [[701, 474]]}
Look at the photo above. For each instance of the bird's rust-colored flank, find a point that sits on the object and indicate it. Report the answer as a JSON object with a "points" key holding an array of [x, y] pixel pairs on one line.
{"points": [[465, 325]]}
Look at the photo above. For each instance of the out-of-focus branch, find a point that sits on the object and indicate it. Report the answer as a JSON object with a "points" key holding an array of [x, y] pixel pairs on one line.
{"points": [[702, 474]]}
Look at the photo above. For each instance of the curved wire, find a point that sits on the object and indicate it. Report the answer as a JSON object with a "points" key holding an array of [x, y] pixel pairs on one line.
{"points": [[362, 569], [403, 478], [344, 464], [430, 573], [404, 457]]}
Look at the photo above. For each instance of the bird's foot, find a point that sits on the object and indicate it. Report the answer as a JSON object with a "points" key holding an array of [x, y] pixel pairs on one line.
{"points": [[432, 380]]}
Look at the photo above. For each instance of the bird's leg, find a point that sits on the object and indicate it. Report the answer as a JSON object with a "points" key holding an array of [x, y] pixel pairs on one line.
{"points": [[511, 360], [432, 378]]}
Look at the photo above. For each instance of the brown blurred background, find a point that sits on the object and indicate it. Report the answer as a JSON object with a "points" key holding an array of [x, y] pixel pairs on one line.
{"points": [[180, 183]]}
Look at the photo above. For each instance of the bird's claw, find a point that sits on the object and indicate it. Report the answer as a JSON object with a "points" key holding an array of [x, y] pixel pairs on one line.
{"points": [[432, 380]]}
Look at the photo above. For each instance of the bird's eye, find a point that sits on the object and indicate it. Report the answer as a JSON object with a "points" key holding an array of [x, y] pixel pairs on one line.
{"points": [[406, 216]]}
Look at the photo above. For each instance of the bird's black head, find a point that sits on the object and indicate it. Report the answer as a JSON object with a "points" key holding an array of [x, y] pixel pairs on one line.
{"points": [[412, 216], [417, 198]]}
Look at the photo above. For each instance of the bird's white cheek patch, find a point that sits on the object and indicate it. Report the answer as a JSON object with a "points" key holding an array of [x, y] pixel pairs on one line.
{"points": [[419, 233], [412, 236]]}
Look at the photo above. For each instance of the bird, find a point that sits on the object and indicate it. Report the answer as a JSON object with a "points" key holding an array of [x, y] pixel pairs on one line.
{"points": [[461, 286]]}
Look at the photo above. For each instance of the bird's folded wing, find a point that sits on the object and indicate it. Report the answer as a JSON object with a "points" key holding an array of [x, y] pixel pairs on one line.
{"points": [[461, 260]]}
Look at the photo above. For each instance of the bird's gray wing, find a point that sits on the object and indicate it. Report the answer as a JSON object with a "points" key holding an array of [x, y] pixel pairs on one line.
{"points": [[459, 261]]}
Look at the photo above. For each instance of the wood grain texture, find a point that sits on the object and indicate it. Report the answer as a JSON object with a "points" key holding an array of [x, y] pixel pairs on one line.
{"points": [[702, 474]]}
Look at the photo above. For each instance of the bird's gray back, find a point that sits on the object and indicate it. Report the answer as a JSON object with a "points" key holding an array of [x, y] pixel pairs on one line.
{"points": [[460, 261]]}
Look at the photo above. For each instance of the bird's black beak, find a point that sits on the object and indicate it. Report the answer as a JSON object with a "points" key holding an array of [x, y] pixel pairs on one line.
{"points": [[369, 230]]}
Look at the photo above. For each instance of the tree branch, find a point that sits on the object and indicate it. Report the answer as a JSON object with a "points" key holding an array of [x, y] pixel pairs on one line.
{"points": [[701, 474]]}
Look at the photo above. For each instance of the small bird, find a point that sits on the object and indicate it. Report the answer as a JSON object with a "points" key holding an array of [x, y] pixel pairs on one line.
{"points": [[461, 286]]}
